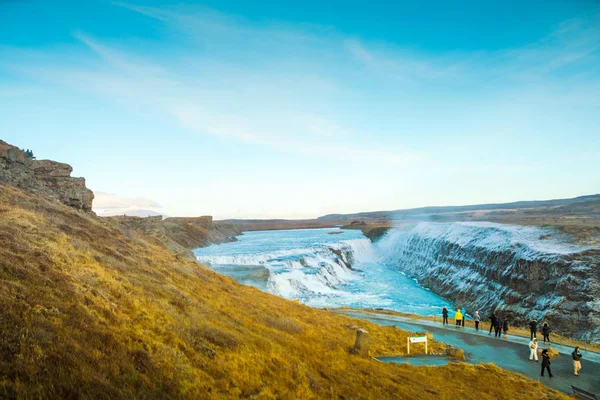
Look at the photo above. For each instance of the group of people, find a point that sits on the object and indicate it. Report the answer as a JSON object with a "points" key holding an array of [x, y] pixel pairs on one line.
{"points": [[545, 330], [533, 355], [499, 323]]}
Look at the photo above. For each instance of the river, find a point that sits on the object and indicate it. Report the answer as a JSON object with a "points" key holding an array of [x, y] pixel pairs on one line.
{"points": [[321, 268]]}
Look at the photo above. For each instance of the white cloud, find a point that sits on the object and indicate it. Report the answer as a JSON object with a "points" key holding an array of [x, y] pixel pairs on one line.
{"points": [[107, 201]]}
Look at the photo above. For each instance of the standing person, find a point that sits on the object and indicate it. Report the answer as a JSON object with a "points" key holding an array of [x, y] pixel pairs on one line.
{"points": [[464, 316], [498, 326], [477, 318], [445, 316], [492, 322], [533, 346], [546, 362], [458, 317], [533, 328], [576, 360], [505, 327], [546, 332]]}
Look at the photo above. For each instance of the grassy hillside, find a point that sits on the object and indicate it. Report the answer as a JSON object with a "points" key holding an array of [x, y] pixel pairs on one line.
{"points": [[179, 235], [88, 311]]}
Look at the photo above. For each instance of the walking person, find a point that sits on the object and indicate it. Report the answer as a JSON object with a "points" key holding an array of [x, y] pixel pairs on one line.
{"points": [[464, 316], [576, 361], [546, 332], [458, 317], [533, 346], [492, 322], [533, 328], [445, 316], [546, 362], [505, 327], [498, 327], [476, 318]]}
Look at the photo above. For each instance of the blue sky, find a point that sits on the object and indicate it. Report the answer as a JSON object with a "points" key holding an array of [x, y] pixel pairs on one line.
{"points": [[297, 109]]}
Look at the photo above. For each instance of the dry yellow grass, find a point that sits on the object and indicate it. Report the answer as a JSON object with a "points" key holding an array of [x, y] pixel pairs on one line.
{"points": [[87, 311]]}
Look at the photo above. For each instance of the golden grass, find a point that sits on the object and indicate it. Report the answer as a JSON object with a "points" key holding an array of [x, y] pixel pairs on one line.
{"points": [[87, 311]]}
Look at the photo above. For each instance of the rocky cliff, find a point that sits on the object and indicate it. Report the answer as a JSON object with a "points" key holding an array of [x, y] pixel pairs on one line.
{"points": [[51, 179], [522, 272], [180, 235]]}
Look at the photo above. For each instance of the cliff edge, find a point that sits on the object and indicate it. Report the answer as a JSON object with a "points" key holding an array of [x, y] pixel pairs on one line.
{"points": [[179, 235], [51, 179]]}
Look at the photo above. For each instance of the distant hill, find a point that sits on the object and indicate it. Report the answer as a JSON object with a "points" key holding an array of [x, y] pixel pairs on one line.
{"points": [[134, 212], [577, 203]]}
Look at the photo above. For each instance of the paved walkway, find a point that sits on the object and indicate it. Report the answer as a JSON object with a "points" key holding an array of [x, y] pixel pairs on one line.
{"points": [[511, 354]]}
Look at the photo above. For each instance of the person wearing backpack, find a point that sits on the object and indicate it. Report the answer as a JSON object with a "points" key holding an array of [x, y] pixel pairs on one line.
{"points": [[546, 362], [576, 360]]}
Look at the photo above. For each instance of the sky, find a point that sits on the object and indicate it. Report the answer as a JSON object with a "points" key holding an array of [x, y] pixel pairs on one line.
{"points": [[278, 109]]}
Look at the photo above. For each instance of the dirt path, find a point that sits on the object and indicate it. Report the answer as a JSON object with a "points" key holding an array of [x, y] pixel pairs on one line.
{"points": [[511, 353]]}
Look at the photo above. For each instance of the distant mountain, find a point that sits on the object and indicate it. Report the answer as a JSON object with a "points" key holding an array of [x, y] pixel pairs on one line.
{"points": [[130, 212], [415, 213]]}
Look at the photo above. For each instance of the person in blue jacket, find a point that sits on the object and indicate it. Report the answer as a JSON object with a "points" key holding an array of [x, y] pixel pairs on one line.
{"points": [[498, 326]]}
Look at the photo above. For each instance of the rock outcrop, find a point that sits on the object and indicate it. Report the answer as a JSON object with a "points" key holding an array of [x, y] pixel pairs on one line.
{"points": [[523, 273], [48, 178], [361, 345], [180, 235]]}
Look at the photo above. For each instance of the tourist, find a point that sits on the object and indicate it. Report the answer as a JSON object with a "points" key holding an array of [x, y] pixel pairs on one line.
{"points": [[445, 316], [533, 346], [498, 327], [464, 315], [476, 318], [505, 327], [546, 362], [576, 360], [546, 332], [533, 328], [492, 322], [458, 317]]}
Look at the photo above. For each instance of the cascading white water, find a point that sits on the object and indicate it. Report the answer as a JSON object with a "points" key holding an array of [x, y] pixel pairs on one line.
{"points": [[525, 272], [295, 270], [319, 268]]}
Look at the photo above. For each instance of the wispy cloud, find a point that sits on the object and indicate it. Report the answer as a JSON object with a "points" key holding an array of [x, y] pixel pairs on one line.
{"points": [[287, 89], [104, 200], [277, 119]]}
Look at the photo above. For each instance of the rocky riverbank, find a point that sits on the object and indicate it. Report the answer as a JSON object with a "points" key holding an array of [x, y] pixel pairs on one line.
{"points": [[521, 272]]}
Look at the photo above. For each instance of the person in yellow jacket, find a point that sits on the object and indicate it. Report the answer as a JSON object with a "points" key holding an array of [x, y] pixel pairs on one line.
{"points": [[458, 317]]}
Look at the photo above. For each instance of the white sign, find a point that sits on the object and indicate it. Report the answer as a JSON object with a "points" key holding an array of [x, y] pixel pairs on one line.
{"points": [[416, 339]]}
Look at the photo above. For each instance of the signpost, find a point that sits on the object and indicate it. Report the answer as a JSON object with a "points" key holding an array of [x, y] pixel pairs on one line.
{"points": [[416, 339]]}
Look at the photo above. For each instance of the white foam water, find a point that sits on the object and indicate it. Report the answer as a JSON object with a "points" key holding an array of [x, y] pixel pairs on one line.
{"points": [[320, 269]]}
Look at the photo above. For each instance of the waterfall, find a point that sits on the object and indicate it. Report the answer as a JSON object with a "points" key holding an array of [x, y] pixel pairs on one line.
{"points": [[522, 272]]}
